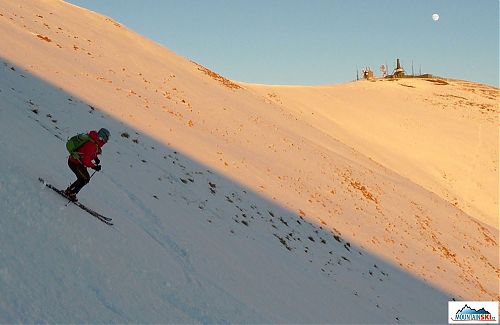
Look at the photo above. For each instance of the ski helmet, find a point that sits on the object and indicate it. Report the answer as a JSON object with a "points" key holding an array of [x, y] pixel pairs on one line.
{"points": [[103, 134]]}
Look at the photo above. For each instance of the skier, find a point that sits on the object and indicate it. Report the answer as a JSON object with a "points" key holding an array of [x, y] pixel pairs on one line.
{"points": [[86, 157]]}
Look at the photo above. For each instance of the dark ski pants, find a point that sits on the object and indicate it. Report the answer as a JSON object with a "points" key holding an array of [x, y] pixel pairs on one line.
{"points": [[82, 176]]}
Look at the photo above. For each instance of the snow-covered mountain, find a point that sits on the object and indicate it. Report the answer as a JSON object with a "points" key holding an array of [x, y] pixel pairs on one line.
{"points": [[366, 202]]}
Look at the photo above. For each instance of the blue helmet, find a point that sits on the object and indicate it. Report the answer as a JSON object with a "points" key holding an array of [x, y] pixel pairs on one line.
{"points": [[103, 134]]}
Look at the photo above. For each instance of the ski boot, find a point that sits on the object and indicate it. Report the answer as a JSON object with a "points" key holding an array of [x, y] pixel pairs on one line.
{"points": [[70, 195]]}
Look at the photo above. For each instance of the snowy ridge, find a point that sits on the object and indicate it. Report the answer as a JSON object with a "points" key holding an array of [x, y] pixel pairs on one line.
{"points": [[228, 207]]}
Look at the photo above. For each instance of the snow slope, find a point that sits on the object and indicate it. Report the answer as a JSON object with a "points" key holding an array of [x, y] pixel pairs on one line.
{"points": [[228, 206], [442, 135], [189, 245]]}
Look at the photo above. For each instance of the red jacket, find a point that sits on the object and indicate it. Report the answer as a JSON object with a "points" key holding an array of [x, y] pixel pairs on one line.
{"points": [[89, 151]]}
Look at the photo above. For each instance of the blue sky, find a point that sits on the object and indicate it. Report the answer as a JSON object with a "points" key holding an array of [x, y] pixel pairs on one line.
{"points": [[311, 42]]}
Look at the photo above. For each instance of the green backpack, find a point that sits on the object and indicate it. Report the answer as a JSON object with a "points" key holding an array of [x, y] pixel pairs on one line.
{"points": [[76, 142]]}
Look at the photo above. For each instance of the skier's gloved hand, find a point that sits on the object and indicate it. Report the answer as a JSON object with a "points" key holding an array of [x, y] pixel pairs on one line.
{"points": [[97, 168], [97, 161]]}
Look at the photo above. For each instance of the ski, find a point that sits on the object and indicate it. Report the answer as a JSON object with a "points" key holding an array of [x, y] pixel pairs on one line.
{"points": [[97, 215]]}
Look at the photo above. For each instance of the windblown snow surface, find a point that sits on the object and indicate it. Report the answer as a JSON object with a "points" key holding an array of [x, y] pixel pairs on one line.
{"points": [[231, 203]]}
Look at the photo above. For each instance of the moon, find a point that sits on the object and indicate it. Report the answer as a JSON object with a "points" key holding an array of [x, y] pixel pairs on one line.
{"points": [[435, 17]]}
